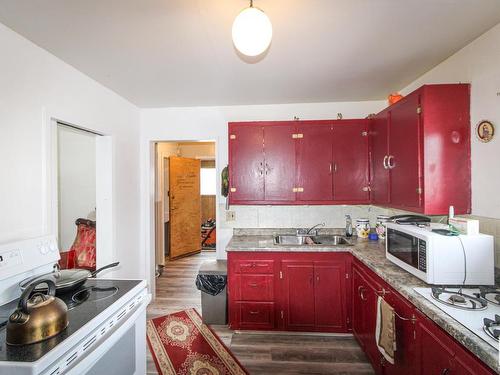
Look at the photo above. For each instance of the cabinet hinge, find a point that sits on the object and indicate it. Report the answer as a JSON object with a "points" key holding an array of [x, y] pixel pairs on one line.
{"points": [[364, 134], [232, 190], [419, 110], [281, 274], [419, 190], [232, 136], [281, 314]]}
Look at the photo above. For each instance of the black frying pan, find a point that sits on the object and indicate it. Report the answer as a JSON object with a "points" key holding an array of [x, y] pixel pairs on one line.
{"points": [[65, 280]]}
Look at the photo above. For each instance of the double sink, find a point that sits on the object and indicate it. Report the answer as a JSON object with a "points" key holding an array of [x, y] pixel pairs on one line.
{"points": [[308, 240]]}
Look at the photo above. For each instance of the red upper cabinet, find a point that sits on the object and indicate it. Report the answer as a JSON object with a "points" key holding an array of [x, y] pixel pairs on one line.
{"points": [[299, 162], [404, 153], [379, 150], [246, 162], [279, 161], [314, 160], [350, 161], [426, 165]]}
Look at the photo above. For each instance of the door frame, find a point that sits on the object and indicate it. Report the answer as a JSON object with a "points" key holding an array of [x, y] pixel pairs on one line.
{"points": [[148, 224], [105, 230]]}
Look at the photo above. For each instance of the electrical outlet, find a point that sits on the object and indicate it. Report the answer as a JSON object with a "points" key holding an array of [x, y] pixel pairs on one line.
{"points": [[230, 216]]}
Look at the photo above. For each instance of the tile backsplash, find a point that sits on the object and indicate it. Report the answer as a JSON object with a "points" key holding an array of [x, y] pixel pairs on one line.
{"points": [[332, 216], [297, 216]]}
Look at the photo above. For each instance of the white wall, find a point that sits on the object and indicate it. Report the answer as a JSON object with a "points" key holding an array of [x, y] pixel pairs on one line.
{"points": [[76, 180], [210, 123], [35, 86], [479, 64]]}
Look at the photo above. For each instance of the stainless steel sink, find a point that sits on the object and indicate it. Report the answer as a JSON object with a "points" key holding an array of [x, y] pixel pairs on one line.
{"points": [[300, 240], [287, 239], [331, 240]]}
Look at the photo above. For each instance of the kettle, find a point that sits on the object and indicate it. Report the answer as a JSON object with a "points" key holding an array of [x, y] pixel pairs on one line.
{"points": [[38, 317]]}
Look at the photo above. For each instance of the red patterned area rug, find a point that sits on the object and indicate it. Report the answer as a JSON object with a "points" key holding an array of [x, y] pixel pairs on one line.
{"points": [[181, 344]]}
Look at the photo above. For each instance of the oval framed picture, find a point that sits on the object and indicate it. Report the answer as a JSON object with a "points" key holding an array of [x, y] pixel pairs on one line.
{"points": [[485, 131]]}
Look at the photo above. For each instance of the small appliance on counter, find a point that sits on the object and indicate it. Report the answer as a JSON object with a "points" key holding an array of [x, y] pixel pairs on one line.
{"points": [[441, 258]]}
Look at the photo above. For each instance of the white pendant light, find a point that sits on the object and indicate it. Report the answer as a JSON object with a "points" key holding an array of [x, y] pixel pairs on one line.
{"points": [[252, 31]]}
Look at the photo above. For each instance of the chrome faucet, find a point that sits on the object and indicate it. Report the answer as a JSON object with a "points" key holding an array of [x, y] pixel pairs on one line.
{"points": [[315, 226], [312, 230], [348, 226]]}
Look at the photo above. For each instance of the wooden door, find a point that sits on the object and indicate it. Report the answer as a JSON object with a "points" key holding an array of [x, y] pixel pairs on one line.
{"points": [[379, 136], [246, 162], [314, 161], [279, 159], [329, 295], [185, 206], [350, 161], [298, 295], [404, 150]]}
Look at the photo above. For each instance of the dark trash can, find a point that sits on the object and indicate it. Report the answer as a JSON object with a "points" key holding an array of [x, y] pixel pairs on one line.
{"points": [[212, 280]]}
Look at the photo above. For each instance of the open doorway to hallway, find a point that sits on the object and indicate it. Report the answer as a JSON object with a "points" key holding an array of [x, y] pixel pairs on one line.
{"points": [[185, 200]]}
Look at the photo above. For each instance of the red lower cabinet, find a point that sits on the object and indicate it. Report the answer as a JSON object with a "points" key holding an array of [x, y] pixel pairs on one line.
{"points": [[289, 291], [332, 292], [422, 347]]}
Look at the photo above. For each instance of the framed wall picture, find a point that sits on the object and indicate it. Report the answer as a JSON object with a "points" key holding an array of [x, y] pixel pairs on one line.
{"points": [[485, 131]]}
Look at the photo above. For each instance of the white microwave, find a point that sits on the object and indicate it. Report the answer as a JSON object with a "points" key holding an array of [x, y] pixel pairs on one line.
{"points": [[439, 259]]}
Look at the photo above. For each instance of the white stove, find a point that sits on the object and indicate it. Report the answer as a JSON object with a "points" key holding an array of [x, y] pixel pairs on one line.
{"points": [[476, 309], [107, 319]]}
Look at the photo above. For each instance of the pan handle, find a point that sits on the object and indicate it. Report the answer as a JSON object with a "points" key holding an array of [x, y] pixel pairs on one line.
{"points": [[23, 301], [94, 273]]}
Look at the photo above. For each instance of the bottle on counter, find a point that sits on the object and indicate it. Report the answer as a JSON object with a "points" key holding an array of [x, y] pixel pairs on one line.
{"points": [[380, 226], [348, 226], [363, 228]]}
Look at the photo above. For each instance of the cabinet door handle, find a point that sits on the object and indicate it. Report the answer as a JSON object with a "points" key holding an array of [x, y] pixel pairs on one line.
{"points": [[330, 168], [254, 312], [267, 169], [261, 168], [361, 292], [390, 162], [385, 162], [317, 279], [445, 371], [253, 285]]}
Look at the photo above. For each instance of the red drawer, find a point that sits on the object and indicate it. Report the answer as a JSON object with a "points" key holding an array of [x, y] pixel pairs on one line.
{"points": [[255, 288], [255, 315], [255, 266]]}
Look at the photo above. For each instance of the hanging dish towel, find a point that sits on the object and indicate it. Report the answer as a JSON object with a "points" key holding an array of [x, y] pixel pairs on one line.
{"points": [[385, 331]]}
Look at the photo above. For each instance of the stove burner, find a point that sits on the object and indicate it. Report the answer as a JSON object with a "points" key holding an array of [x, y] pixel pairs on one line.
{"points": [[491, 295], [458, 300], [92, 294], [491, 327]]}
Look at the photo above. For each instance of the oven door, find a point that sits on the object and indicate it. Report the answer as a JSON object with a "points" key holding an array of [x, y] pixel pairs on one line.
{"points": [[407, 251], [122, 352]]}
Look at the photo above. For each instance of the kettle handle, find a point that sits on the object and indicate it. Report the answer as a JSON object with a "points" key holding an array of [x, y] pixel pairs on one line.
{"points": [[23, 301]]}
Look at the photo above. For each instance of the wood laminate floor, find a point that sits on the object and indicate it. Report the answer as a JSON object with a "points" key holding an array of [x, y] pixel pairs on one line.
{"points": [[260, 353]]}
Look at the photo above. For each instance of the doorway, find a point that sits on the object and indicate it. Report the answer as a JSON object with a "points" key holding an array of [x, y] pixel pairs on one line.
{"points": [[185, 200]]}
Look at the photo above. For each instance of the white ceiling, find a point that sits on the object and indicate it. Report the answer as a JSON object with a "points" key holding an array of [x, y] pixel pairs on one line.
{"points": [[159, 53]]}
